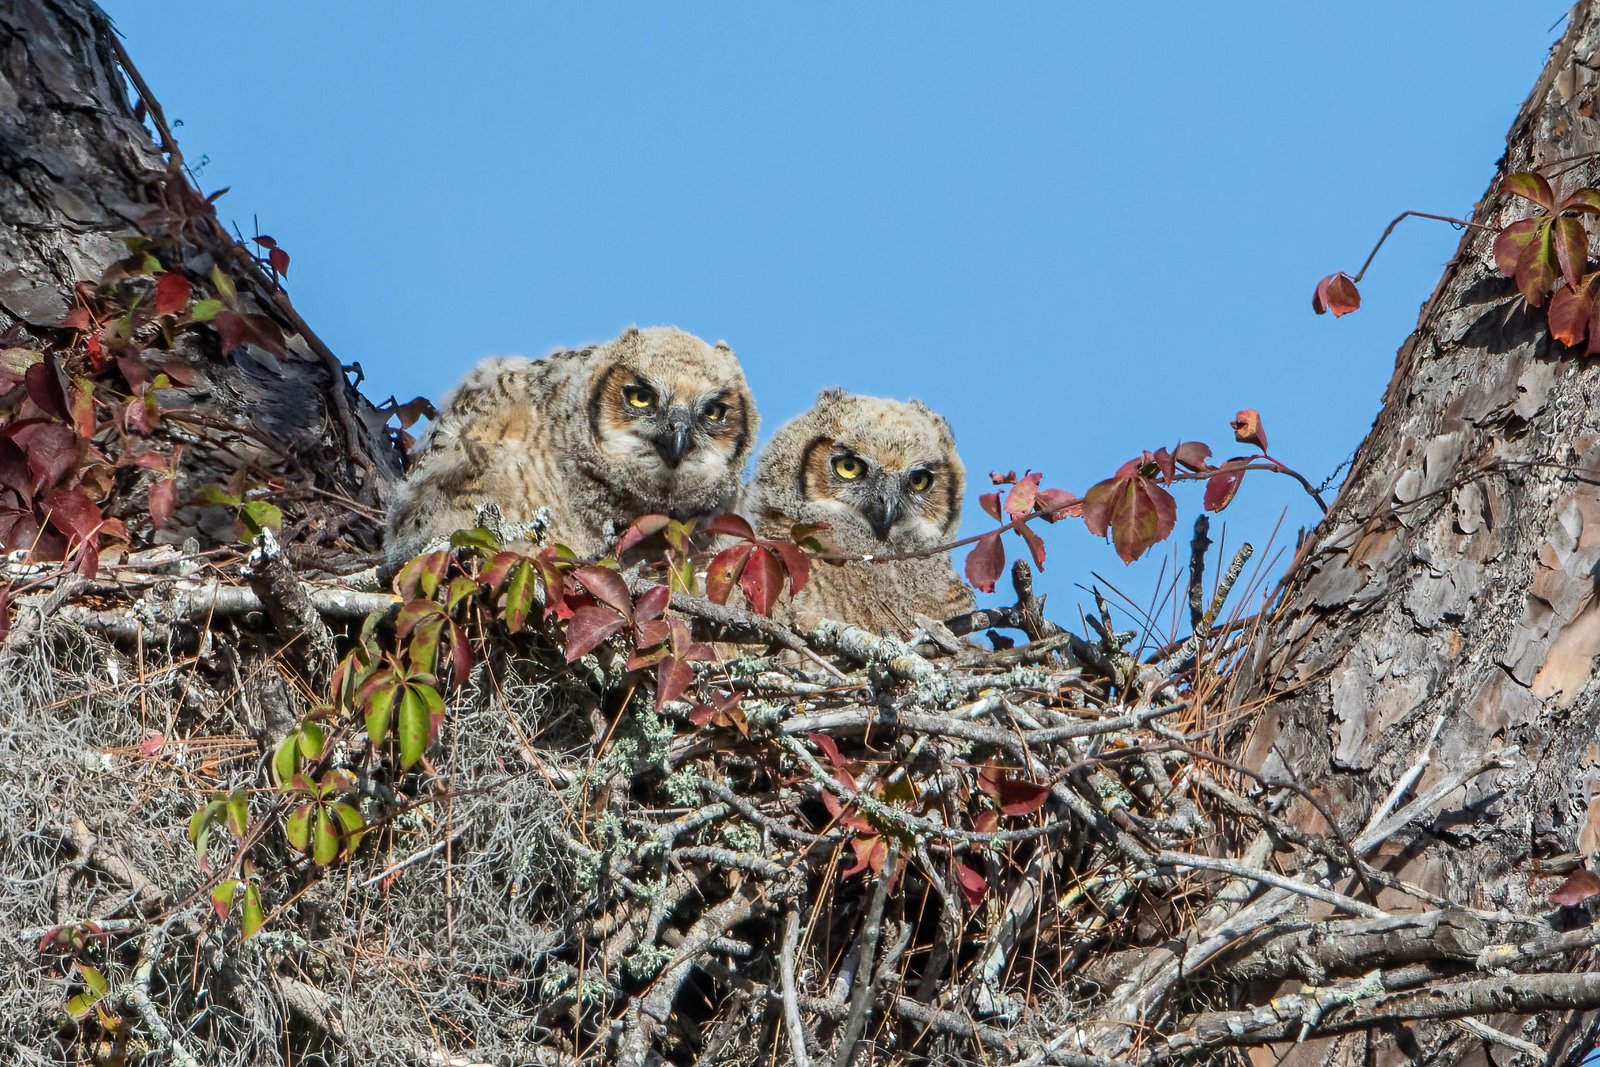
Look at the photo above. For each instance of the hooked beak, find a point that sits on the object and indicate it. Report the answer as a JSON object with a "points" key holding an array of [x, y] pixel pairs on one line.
{"points": [[673, 443], [882, 514]]}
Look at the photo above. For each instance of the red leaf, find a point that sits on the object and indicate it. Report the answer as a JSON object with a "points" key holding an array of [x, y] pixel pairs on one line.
{"points": [[608, 587], [1136, 510], [830, 748], [1220, 488], [45, 389], [279, 260], [1571, 310], [83, 407], [1537, 270], [641, 529], [652, 603], [1019, 501], [762, 580], [1035, 545], [731, 526], [588, 627], [794, 562], [265, 242], [76, 319], [97, 355], [985, 562], [231, 331], [990, 502], [1571, 244], [1580, 885], [172, 293], [163, 497], [1057, 504], [1192, 455], [1166, 464], [1336, 293], [973, 885], [1008, 478], [871, 850], [52, 450], [1529, 186], [73, 513], [673, 679], [1018, 797], [725, 570], [1247, 428]]}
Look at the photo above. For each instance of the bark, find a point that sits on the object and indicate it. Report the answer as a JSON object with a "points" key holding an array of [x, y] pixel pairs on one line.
{"points": [[1448, 604], [79, 171]]}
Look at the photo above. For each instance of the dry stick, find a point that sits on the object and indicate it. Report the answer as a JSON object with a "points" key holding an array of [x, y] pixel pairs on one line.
{"points": [[1198, 546], [791, 1008], [293, 614], [860, 997], [737, 618]]}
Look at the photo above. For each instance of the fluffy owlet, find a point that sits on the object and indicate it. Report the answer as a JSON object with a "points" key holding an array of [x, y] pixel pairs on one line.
{"points": [[886, 478], [656, 421]]}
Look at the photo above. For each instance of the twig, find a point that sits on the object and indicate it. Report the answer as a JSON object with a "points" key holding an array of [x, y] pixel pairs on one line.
{"points": [[871, 929], [791, 1008]]}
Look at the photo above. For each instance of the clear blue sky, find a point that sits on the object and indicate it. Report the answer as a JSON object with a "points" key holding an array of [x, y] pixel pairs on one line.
{"points": [[1077, 230]]}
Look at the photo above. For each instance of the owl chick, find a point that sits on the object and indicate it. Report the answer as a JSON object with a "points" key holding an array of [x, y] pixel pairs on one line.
{"points": [[656, 421], [886, 478]]}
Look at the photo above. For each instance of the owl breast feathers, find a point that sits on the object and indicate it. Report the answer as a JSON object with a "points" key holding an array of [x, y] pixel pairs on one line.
{"points": [[656, 421], [886, 478]]}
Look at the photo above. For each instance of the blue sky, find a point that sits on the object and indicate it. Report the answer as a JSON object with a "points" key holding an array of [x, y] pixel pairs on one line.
{"points": [[1076, 230]]}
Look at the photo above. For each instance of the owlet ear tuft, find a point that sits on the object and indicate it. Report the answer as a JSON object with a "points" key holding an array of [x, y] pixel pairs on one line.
{"points": [[828, 396], [724, 346]]}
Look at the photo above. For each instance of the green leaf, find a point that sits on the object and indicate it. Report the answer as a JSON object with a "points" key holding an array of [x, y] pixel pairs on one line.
{"points": [[224, 285], [413, 724], [202, 818], [297, 827], [81, 1005], [325, 841], [380, 712], [477, 538], [205, 310], [217, 496], [312, 740], [238, 809], [258, 515], [349, 821], [424, 646], [286, 759], [460, 589], [253, 918]]}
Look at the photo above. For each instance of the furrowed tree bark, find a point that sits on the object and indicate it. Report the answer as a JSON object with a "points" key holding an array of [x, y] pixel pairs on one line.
{"points": [[1454, 583], [79, 170]]}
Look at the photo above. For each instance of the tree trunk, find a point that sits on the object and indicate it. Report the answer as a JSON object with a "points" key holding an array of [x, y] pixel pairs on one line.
{"points": [[1448, 604], [80, 174]]}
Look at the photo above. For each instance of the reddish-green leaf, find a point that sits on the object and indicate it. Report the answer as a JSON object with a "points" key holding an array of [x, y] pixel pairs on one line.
{"points": [[172, 293], [985, 562], [990, 502], [1137, 511], [1571, 244], [608, 587], [325, 838], [237, 807], [222, 897], [253, 917], [1192, 455], [641, 529], [1571, 310], [725, 570], [297, 827], [1514, 243], [588, 627], [1057, 504], [1336, 293], [1019, 501], [761, 581], [1529, 186], [1586, 201], [519, 598], [423, 574]]}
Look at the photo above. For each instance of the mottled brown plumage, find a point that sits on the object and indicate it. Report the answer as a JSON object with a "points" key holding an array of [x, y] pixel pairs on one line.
{"points": [[886, 477], [656, 421]]}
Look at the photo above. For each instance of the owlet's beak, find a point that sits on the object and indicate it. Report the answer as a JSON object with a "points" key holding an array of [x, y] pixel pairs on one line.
{"points": [[673, 440], [883, 511]]}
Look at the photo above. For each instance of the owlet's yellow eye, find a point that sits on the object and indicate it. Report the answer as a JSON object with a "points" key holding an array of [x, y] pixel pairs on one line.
{"points": [[716, 411], [849, 467], [920, 481], [639, 397]]}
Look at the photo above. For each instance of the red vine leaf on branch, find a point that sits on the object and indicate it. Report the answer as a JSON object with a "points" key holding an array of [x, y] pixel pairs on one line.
{"points": [[1247, 428], [1525, 251], [172, 293], [758, 566], [1530, 186], [1223, 486], [1336, 293], [985, 562], [1133, 506]]}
